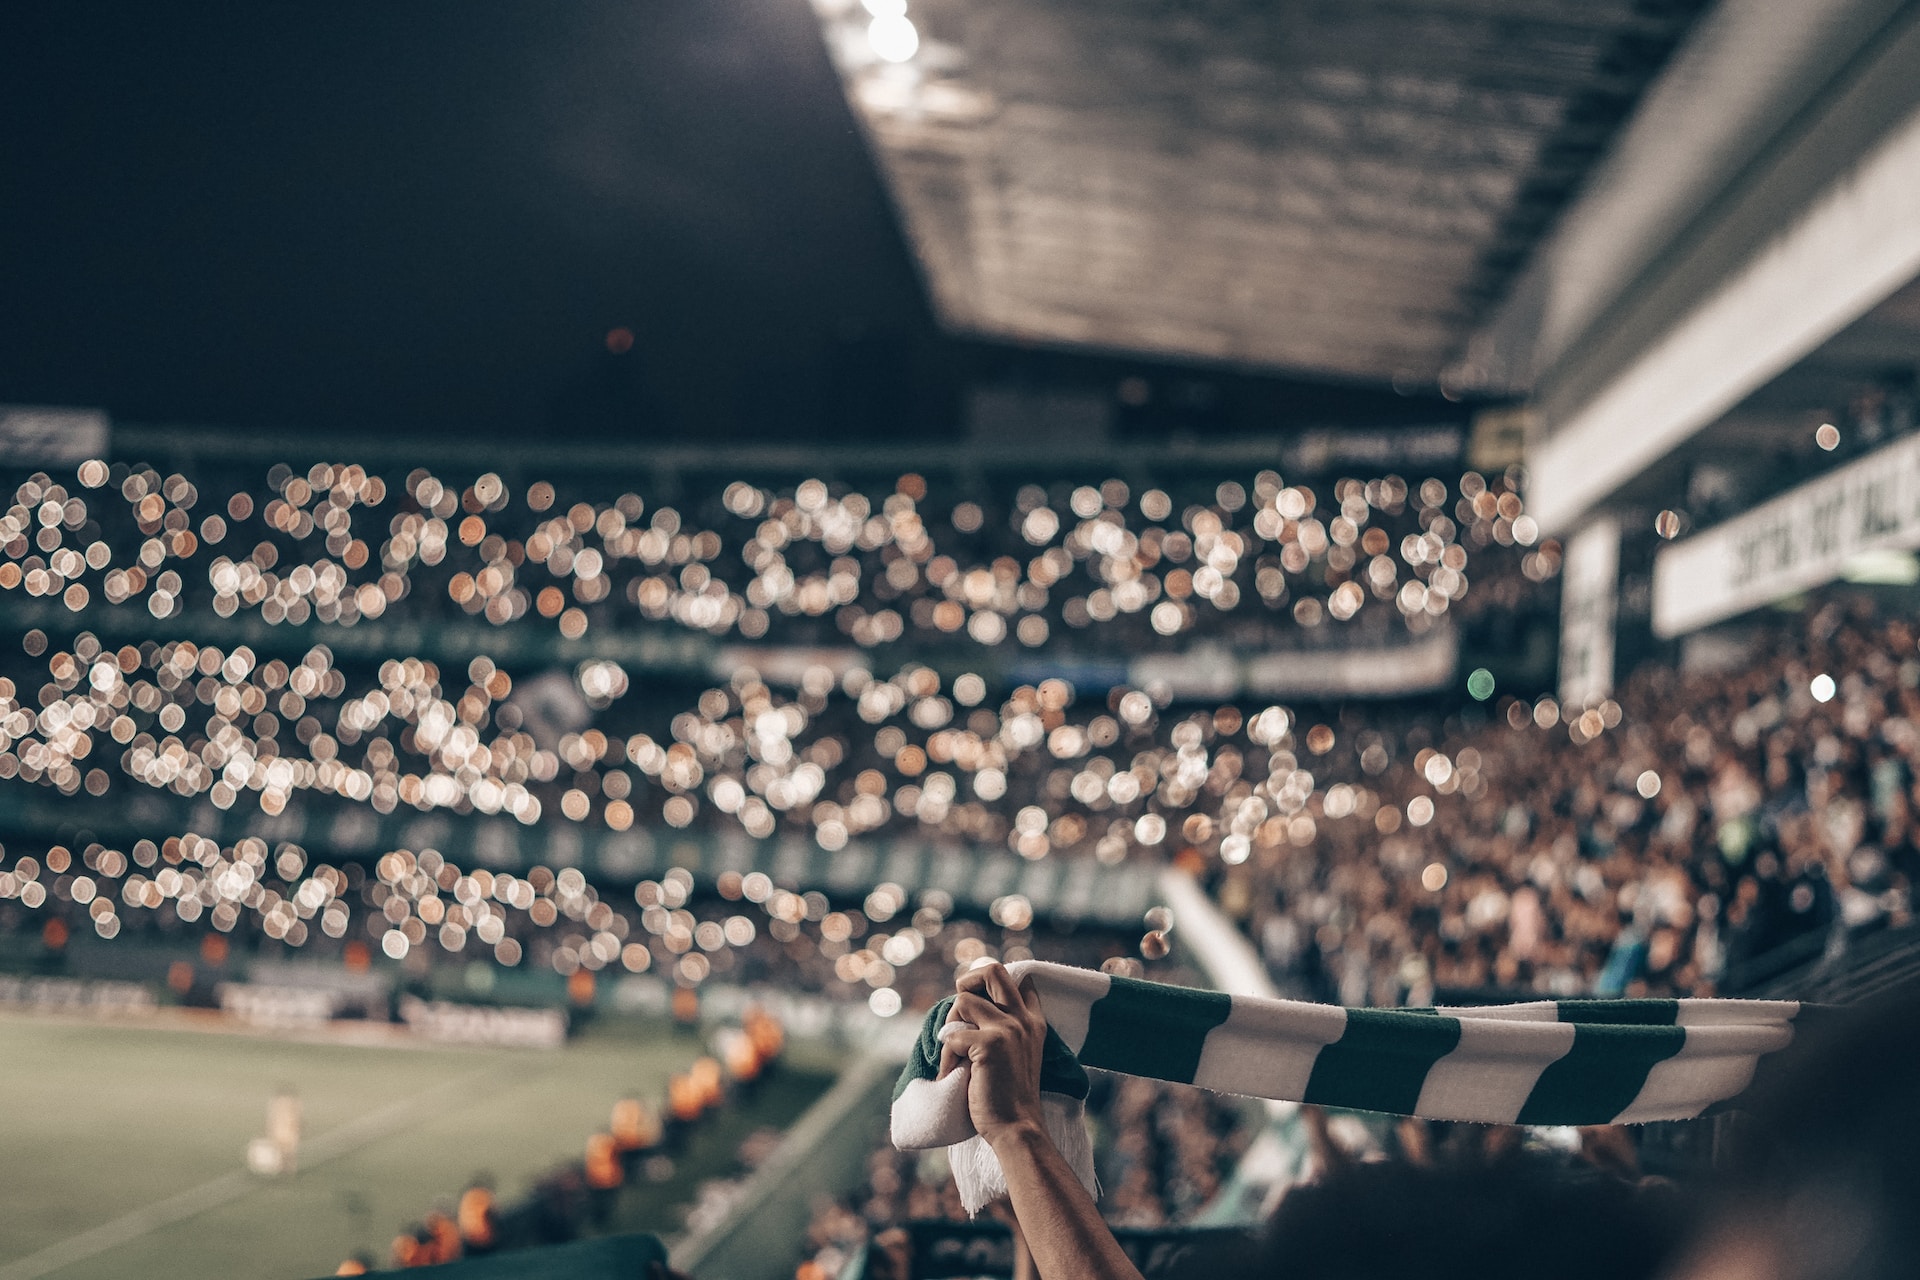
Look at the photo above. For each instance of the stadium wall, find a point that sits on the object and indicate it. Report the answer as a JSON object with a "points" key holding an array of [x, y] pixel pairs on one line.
{"points": [[824, 1153]]}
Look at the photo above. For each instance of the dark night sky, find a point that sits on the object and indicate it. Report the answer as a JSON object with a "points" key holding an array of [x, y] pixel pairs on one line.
{"points": [[428, 215]]}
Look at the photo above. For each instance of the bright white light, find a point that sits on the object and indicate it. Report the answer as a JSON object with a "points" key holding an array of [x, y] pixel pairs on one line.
{"points": [[1822, 688], [893, 38]]}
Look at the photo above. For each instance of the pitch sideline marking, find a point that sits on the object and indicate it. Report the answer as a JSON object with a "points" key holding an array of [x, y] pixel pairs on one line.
{"points": [[341, 1140]]}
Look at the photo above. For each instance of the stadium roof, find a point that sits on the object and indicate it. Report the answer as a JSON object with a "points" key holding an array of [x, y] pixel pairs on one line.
{"points": [[1767, 444], [1342, 189], [436, 217]]}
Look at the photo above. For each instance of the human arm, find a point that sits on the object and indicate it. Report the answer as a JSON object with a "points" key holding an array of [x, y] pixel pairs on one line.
{"points": [[1003, 1046]]}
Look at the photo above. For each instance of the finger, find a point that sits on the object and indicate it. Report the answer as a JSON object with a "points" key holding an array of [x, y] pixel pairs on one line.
{"points": [[973, 1041], [964, 1045], [980, 1011], [1001, 987], [975, 979], [994, 982], [951, 1056], [1030, 1002]]}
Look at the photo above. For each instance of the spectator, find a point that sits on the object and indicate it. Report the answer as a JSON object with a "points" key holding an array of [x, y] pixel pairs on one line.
{"points": [[1826, 1173]]}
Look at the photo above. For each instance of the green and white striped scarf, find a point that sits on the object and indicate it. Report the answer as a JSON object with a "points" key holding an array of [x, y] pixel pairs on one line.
{"points": [[1550, 1062]]}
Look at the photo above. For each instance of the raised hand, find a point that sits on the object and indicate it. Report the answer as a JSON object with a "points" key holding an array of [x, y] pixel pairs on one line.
{"points": [[998, 1028]]}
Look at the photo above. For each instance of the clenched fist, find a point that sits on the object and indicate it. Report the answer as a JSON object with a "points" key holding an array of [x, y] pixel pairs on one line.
{"points": [[997, 1028]]}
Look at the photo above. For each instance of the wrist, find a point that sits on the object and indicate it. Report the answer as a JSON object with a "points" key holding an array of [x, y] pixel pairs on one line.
{"points": [[1022, 1132]]}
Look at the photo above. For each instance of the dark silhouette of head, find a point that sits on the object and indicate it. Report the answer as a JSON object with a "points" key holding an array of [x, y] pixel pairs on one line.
{"points": [[1518, 1215], [1824, 1173]]}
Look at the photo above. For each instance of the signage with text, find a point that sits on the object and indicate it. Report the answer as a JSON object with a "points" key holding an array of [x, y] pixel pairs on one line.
{"points": [[1801, 539], [1588, 587]]}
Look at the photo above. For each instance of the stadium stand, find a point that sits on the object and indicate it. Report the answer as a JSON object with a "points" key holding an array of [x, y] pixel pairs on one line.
{"points": [[1459, 848], [1165, 1153], [1395, 510], [640, 1140]]}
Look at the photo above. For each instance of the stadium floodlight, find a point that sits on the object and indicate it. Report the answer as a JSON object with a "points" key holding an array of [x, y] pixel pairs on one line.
{"points": [[893, 37]]}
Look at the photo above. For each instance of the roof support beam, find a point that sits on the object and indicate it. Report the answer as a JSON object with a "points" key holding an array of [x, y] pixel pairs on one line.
{"points": [[1822, 228], [1739, 80]]}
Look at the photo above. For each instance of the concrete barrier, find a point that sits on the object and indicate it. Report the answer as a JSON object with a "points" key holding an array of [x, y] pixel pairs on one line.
{"points": [[824, 1154]]}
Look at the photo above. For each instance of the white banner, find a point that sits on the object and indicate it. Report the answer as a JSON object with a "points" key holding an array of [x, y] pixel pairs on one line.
{"points": [[784, 665], [1364, 671], [51, 436], [484, 1024], [1388, 671], [1801, 539], [1589, 584]]}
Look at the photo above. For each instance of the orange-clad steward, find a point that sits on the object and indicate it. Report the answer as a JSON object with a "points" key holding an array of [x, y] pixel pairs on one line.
{"points": [[443, 1238], [475, 1214], [768, 1037], [685, 1100], [709, 1081], [603, 1163], [407, 1250], [635, 1127]]}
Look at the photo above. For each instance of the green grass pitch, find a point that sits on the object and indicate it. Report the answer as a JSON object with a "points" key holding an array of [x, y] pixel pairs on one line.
{"points": [[108, 1131]]}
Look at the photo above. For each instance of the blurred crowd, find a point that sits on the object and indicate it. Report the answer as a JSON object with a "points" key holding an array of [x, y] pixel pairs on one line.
{"points": [[1086, 573], [1666, 843], [804, 562], [1162, 1152], [1656, 842]]}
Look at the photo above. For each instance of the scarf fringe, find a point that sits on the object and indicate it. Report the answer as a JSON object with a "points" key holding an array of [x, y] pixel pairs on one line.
{"points": [[981, 1181]]}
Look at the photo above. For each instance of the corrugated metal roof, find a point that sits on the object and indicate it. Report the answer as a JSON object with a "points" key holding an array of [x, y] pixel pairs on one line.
{"points": [[1341, 188]]}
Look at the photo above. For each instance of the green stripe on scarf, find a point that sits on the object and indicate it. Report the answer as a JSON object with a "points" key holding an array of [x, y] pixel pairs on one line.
{"points": [[1148, 1029], [1381, 1062], [1601, 1075], [1633, 1013]]}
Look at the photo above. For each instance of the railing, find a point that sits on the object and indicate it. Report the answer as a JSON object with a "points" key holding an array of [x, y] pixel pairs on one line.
{"points": [[1841, 969]]}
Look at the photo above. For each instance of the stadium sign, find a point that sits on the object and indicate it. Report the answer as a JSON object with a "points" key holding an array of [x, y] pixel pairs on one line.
{"points": [[1363, 671], [1589, 584], [51, 436], [1801, 539]]}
